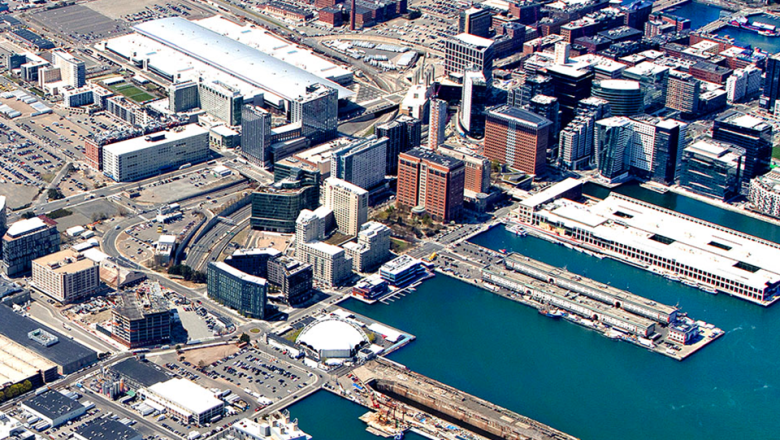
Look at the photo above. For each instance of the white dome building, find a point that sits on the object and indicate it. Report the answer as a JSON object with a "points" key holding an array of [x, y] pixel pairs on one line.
{"points": [[333, 338]]}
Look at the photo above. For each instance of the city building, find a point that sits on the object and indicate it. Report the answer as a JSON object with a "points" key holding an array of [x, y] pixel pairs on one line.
{"points": [[571, 84], [517, 138], [72, 70], [653, 80], [475, 22], [240, 291], [712, 169], [624, 96], [23, 334], [744, 83], [764, 193], [164, 248], [256, 136], [138, 373], [186, 400], [349, 204], [402, 133], [371, 249], [291, 279], [297, 168], [318, 113], [682, 93], [547, 107], [575, 145], [183, 96], [253, 261], [477, 179], [276, 426], [749, 133], [54, 408], [26, 240], [150, 155], [371, 287], [474, 96], [401, 271], [771, 83], [562, 52], [531, 86], [710, 72], [221, 101], [331, 266], [612, 137], [431, 182], [667, 242], [65, 275], [141, 319], [361, 162], [275, 208], [105, 429], [437, 123], [466, 51], [332, 338], [21, 364]]}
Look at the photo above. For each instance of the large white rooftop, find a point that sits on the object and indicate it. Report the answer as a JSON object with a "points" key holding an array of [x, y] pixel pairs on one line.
{"points": [[688, 241], [331, 334], [142, 142], [233, 57], [25, 227], [241, 275], [474, 40], [186, 395]]}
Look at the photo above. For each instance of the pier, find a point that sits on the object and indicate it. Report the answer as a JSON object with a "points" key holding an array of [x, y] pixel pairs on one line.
{"points": [[662, 5], [472, 413]]}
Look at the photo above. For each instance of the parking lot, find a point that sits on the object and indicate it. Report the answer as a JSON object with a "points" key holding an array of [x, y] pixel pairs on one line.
{"points": [[78, 22], [137, 242], [182, 187], [25, 162]]}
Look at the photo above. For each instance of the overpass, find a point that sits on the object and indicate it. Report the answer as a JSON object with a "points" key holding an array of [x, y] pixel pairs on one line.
{"points": [[467, 411]]}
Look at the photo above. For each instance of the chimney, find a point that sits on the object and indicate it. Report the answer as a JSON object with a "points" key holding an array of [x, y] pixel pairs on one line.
{"points": [[352, 17]]}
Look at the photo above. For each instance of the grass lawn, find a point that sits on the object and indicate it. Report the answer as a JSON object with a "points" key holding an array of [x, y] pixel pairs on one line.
{"points": [[400, 246], [131, 92], [776, 153]]}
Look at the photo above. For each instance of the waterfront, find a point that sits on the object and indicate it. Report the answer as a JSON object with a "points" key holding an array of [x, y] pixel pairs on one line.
{"points": [[692, 207]]}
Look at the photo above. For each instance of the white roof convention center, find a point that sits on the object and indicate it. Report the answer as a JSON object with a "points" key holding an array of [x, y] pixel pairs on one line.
{"points": [[333, 338]]}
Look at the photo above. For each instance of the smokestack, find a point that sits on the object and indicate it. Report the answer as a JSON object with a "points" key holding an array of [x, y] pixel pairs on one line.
{"points": [[352, 17]]}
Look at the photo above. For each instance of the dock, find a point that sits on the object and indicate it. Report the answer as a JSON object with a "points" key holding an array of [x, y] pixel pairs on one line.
{"points": [[403, 387]]}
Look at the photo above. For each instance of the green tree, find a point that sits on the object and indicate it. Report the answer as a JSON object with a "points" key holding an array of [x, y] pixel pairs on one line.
{"points": [[26, 386], [28, 214], [244, 338], [55, 194]]}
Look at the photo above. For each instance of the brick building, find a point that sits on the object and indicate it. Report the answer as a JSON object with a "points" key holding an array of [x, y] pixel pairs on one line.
{"points": [[431, 181]]}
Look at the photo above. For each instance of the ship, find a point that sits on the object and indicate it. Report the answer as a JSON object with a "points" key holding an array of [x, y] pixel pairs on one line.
{"points": [[516, 229], [503, 251], [689, 283], [709, 289], [554, 314], [672, 277]]}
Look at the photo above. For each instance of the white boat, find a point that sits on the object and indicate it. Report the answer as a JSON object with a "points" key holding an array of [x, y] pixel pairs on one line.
{"points": [[671, 276], [690, 283], [709, 289]]}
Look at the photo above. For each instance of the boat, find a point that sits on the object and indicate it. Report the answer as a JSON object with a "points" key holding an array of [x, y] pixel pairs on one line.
{"points": [[709, 289], [554, 314], [516, 229], [503, 251], [690, 283], [672, 277]]}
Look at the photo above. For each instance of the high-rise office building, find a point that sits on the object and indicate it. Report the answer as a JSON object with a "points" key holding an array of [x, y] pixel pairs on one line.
{"points": [[437, 123], [256, 136], [362, 162], [712, 169], [475, 21], [547, 106], [749, 133], [141, 319], [576, 139], [570, 85], [517, 138], [183, 96], [221, 101], [72, 70], [611, 142], [624, 96], [402, 133], [65, 275], [764, 194], [771, 83], [431, 181], [531, 86], [474, 97], [682, 93], [668, 144], [477, 178], [275, 208], [743, 83], [238, 290], [466, 51], [292, 278], [26, 240], [318, 113], [349, 204], [653, 81]]}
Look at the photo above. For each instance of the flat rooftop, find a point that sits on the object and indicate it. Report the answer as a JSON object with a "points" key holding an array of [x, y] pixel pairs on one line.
{"points": [[141, 372], [233, 57], [65, 352], [238, 274], [18, 363], [520, 116], [52, 404], [187, 395], [552, 192], [474, 40], [27, 226], [155, 139], [704, 246], [65, 261], [107, 429]]}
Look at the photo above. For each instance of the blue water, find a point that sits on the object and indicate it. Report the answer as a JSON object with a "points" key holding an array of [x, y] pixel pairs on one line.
{"points": [[326, 416]]}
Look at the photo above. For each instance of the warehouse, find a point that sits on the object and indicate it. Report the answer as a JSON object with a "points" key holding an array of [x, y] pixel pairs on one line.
{"points": [[106, 429], [138, 374], [185, 399], [18, 364], [54, 408], [68, 355]]}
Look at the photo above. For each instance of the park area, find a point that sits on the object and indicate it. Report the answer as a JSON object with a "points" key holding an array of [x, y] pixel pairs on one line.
{"points": [[131, 92]]}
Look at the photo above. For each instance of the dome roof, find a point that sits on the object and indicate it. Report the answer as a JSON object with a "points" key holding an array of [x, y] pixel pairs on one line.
{"points": [[332, 335]]}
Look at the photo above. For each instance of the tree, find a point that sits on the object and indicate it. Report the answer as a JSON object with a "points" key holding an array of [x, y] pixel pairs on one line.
{"points": [[55, 194], [244, 338], [28, 214], [201, 364], [26, 386]]}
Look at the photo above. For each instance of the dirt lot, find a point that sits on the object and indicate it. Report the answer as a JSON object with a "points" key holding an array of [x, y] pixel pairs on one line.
{"points": [[210, 354]]}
